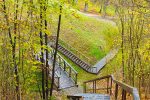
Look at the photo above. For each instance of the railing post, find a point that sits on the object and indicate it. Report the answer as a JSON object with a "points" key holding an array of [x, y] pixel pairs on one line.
{"points": [[84, 87], [116, 91], [69, 71], [76, 78], [51, 54], [64, 66], [107, 85], [123, 94], [58, 82], [59, 60], [111, 85], [95, 86]]}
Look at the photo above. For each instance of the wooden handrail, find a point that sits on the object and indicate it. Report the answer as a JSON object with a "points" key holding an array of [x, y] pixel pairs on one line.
{"points": [[80, 55], [56, 77], [77, 53], [125, 88], [67, 63], [98, 78], [64, 65], [72, 97]]}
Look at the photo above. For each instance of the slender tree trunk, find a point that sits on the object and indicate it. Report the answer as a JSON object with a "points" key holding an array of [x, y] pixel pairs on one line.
{"points": [[86, 6], [122, 47], [46, 50], [56, 49], [42, 54], [101, 8], [14, 51]]}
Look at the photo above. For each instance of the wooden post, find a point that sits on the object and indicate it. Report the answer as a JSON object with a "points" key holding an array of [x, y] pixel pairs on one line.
{"points": [[69, 71], [59, 62], [107, 85], [64, 66], [84, 87], [58, 82], [111, 86], [116, 91], [95, 86], [76, 78], [123, 94]]}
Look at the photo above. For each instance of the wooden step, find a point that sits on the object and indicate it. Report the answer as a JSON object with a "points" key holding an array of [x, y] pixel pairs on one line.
{"points": [[89, 96], [73, 58]]}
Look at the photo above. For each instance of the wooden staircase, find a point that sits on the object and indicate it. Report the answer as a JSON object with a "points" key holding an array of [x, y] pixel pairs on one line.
{"points": [[106, 88], [84, 65], [65, 74], [81, 60]]}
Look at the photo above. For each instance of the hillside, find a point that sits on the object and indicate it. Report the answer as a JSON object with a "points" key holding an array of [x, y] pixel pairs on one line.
{"points": [[92, 37]]}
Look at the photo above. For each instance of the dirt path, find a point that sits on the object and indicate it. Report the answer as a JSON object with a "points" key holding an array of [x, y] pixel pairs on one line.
{"points": [[98, 17]]}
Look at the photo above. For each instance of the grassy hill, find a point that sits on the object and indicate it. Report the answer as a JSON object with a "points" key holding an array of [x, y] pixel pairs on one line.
{"points": [[92, 37]]}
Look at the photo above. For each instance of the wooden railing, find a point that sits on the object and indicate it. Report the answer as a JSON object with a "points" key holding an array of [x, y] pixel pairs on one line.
{"points": [[71, 72], [76, 52], [56, 78], [109, 85], [73, 50]]}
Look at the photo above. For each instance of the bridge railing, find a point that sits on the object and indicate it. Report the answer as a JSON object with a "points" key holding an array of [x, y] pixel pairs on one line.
{"points": [[108, 85], [71, 72]]}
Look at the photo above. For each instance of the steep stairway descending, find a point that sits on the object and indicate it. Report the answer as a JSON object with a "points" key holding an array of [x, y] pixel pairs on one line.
{"points": [[85, 66], [62, 80], [76, 57], [65, 74]]}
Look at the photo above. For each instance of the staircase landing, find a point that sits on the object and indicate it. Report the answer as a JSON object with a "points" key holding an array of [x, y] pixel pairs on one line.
{"points": [[106, 59], [92, 96], [64, 80]]}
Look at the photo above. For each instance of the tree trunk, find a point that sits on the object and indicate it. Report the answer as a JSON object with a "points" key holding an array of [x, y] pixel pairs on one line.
{"points": [[14, 51], [55, 53], [86, 7], [42, 54], [46, 50]]}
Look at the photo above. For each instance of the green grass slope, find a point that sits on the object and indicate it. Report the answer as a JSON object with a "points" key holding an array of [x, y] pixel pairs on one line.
{"points": [[92, 37]]}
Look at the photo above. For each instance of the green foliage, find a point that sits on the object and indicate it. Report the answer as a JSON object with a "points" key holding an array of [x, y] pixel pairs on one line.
{"points": [[92, 37], [92, 33]]}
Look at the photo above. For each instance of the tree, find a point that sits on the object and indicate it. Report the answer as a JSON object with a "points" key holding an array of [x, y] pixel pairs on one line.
{"points": [[55, 53], [86, 5], [133, 18]]}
